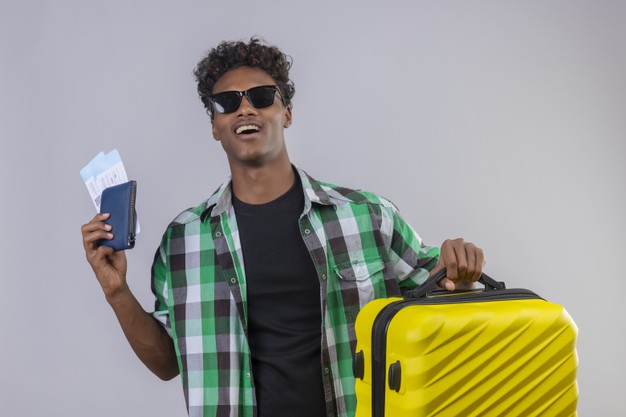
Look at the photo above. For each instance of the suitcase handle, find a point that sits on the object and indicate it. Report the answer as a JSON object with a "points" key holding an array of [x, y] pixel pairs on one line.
{"points": [[431, 284]]}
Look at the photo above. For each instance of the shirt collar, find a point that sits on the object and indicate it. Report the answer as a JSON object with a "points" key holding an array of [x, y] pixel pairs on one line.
{"points": [[221, 200]]}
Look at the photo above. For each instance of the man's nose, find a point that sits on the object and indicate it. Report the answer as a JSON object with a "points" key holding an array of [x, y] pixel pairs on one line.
{"points": [[245, 108]]}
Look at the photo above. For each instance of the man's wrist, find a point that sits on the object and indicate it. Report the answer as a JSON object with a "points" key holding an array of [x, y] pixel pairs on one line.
{"points": [[120, 297]]}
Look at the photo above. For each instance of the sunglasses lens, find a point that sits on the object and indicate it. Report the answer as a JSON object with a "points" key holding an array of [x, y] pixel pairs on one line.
{"points": [[261, 97], [226, 102]]}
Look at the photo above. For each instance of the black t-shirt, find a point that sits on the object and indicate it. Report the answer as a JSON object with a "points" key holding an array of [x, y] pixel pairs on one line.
{"points": [[284, 309]]}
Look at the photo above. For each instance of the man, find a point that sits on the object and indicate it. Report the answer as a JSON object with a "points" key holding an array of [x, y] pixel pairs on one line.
{"points": [[257, 289]]}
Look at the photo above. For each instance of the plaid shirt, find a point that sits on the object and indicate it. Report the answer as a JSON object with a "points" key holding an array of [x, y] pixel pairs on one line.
{"points": [[361, 248]]}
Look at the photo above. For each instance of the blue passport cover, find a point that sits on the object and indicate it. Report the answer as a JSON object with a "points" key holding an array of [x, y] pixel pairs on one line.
{"points": [[119, 201]]}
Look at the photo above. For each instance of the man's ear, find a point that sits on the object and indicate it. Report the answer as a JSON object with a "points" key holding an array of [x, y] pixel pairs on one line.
{"points": [[288, 117], [214, 131]]}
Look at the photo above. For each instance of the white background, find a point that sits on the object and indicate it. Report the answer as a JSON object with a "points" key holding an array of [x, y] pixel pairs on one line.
{"points": [[501, 122]]}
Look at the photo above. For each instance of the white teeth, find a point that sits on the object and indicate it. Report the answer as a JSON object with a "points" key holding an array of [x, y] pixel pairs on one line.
{"points": [[246, 127]]}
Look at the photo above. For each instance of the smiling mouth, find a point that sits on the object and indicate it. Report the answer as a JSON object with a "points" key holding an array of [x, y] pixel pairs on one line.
{"points": [[247, 129]]}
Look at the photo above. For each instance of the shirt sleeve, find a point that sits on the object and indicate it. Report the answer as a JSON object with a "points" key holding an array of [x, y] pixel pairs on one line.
{"points": [[160, 287], [412, 259]]}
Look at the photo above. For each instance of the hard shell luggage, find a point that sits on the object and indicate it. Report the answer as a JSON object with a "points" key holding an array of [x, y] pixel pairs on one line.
{"points": [[493, 352]]}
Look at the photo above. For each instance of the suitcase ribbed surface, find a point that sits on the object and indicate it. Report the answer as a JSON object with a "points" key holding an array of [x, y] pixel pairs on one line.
{"points": [[496, 358]]}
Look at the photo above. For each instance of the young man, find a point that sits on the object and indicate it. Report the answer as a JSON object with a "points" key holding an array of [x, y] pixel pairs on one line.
{"points": [[257, 289]]}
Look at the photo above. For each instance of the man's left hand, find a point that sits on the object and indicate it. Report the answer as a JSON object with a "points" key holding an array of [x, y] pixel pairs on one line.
{"points": [[463, 261]]}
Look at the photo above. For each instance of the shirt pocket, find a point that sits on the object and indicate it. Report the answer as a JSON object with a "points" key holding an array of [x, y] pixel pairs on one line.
{"points": [[359, 270], [356, 285]]}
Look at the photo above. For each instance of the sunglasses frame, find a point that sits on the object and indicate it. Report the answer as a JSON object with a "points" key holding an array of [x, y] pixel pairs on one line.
{"points": [[241, 95]]}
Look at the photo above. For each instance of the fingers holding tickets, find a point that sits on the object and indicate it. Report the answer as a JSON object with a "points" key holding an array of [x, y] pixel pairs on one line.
{"points": [[109, 266], [95, 230]]}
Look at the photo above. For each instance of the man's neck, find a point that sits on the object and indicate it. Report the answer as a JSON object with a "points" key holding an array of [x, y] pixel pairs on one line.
{"points": [[259, 185]]}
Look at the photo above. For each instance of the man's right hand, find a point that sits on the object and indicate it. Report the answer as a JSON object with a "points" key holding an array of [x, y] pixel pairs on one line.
{"points": [[109, 266]]}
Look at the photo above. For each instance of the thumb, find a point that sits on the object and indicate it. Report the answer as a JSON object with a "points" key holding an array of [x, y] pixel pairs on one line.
{"points": [[448, 284]]}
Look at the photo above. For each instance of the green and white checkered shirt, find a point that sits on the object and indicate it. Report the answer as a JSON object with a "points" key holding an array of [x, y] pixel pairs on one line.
{"points": [[361, 248]]}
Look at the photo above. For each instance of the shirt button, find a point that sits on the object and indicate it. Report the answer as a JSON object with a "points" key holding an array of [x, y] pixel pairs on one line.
{"points": [[233, 280], [307, 232], [247, 374], [323, 277], [326, 371], [218, 234]]}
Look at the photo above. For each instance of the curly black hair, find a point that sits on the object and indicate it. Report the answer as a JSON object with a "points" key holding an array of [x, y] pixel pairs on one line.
{"points": [[230, 55]]}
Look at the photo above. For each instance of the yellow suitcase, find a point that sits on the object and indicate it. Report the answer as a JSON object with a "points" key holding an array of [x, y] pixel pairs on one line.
{"points": [[493, 352]]}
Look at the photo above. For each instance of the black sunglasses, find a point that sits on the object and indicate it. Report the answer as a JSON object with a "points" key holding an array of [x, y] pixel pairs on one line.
{"points": [[259, 97]]}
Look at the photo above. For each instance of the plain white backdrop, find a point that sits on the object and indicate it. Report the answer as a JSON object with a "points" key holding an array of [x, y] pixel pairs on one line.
{"points": [[501, 122]]}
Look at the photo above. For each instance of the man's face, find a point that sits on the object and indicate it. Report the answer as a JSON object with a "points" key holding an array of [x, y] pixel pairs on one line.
{"points": [[251, 136]]}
